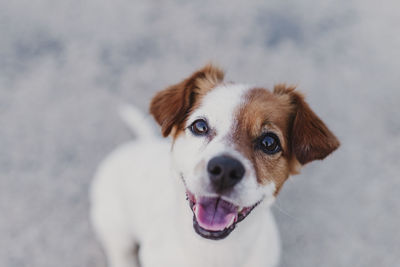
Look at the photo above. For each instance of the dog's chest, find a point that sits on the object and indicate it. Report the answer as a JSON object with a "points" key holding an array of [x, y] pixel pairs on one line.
{"points": [[176, 244], [173, 253]]}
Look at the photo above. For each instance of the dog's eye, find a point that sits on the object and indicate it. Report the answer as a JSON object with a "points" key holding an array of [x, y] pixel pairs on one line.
{"points": [[270, 144], [199, 127]]}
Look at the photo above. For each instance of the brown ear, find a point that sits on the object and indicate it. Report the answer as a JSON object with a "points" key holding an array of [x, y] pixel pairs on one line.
{"points": [[310, 137], [171, 106]]}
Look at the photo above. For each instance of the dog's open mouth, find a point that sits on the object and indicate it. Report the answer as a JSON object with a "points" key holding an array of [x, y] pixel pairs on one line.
{"points": [[215, 218]]}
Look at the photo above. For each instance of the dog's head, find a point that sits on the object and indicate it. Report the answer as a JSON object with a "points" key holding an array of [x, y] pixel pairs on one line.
{"points": [[235, 145]]}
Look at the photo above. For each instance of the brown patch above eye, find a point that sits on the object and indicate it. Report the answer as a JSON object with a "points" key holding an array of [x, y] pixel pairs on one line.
{"points": [[172, 106], [263, 109]]}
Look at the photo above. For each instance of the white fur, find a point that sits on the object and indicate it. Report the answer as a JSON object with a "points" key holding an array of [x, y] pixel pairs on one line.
{"points": [[134, 117], [138, 198]]}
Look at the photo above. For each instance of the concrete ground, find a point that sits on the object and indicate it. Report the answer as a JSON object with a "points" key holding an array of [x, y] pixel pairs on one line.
{"points": [[65, 67]]}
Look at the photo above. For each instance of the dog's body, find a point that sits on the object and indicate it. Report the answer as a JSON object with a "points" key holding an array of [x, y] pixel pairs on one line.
{"points": [[157, 217], [233, 148]]}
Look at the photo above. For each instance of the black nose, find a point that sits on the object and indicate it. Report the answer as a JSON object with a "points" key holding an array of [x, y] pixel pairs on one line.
{"points": [[224, 172]]}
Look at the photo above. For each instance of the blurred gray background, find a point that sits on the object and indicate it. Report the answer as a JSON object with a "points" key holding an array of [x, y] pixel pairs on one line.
{"points": [[65, 66]]}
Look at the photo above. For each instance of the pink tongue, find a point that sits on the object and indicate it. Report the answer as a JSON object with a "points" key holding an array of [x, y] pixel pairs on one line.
{"points": [[215, 214]]}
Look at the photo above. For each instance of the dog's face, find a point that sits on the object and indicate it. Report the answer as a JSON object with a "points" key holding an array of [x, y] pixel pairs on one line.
{"points": [[235, 145]]}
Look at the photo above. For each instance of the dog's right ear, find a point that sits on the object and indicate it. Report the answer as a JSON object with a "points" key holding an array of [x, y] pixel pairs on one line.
{"points": [[310, 137], [171, 106]]}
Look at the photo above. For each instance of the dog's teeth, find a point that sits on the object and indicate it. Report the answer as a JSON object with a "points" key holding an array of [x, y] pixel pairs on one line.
{"points": [[232, 221]]}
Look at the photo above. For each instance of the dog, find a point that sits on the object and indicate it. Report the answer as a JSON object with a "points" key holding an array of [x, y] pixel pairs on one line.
{"points": [[203, 198]]}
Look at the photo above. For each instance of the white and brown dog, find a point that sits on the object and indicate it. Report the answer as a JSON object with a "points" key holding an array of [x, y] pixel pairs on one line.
{"points": [[233, 147]]}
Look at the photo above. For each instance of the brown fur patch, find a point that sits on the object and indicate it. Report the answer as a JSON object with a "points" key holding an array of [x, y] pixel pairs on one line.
{"points": [[264, 112], [310, 137], [172, 106], [303, 136]]}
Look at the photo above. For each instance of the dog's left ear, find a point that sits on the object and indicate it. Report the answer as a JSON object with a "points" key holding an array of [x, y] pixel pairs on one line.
{"points": [[310, 138], [171, 106]]}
